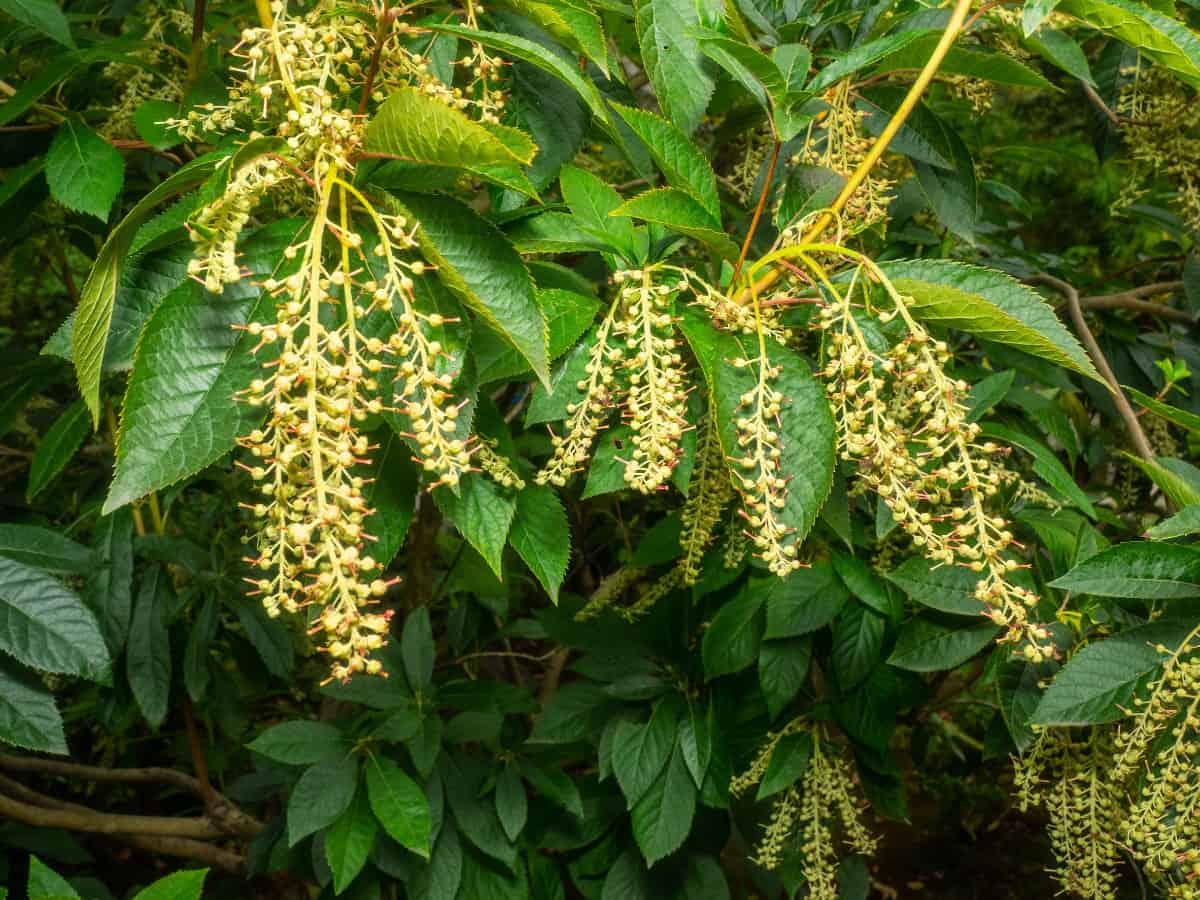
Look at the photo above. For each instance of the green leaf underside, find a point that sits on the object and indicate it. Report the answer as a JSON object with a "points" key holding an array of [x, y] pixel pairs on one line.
{"points": [[1137, 569], [28, 717]]}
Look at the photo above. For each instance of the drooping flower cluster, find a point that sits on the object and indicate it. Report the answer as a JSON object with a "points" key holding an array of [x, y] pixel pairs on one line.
{"points": [[634, 362], [708, 494], [153, 77], [1069, 779], [902, 420], [823, 813]]}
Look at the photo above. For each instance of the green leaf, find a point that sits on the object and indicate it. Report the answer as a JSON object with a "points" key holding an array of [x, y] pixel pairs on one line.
{"points": [[663, 817], [476, 819], [576, 26], [927, 646], [858, 636], [41, 15], [323, 792], [641, 750], [44, 549], [732, 639], [399, 804], [864, 55], [984, 65], [1045, 464], [1159, 36], [483, 514], [1173, 414], [1034, 13], [478, 264], [440, 879], [568, 315], [418, 128], [417, 650], [391, 493], [28, 716], [512, 806], [685, 167], [57, 447], [592, 201], [1098, 683], [1019, 690], [46, 884], [672, 59], [864, 584], [89, 334], [186, 885], [1179, 480], [1062, 52], [149, 120], [1183, 523], [788, 761], [1138, 569], [989, 305], [953, 192], [45, 625], [679, 212], [300, 743], [949, 589], [269, 637], [804, 601], [148, 654], [108, 590], [541, 536], [349, 840], [554, 785], [782, 669], [83, 170]]}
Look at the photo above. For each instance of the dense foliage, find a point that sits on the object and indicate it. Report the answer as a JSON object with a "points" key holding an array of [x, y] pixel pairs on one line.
{"points": [[685, 450]]}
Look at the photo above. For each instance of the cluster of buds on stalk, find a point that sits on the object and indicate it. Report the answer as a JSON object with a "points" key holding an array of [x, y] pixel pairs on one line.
{"points": [[634, 362], [903, 422]]}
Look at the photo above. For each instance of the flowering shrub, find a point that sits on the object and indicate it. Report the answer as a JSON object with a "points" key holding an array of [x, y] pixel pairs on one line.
{"points": [[579, 449]]}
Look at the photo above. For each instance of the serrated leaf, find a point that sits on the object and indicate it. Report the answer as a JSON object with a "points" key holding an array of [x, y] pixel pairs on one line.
{"points": [[782, 669], [148, 653], [685, 167], [28, 717], [679, 212], [927, 646], [663, 817], [269, 637], [41, 15], [45, 625], [399, 804], [1098, 683], [858, 634], [186, 885], [672, 59], [323, 792], [482, 513], [1062, 52], [568, 315], [57, 447], [512, 805], [864, 55], [476, 817], [478, 264], [804, 601], [418, 650], [418, 128], [391, 494], [46, 884], [1138, 569], [949, 589], [984, 65], [732, 639], [300, 743], [1159, 36], [592, 201], [1045, 464], [990, 305], [640, 750], [787, 764], [32, 545], [89, 334], [83, 170], [349, 840], [1183, 523], [541, 536]]}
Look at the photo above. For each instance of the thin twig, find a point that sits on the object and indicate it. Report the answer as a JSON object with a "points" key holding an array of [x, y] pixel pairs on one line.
{"points": [[1124, 410], [758, 210]]}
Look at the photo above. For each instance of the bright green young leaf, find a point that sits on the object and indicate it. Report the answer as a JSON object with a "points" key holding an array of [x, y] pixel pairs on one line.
{"points": [[84, 171], [927, 646], [319, 798], [990, 305], [673, 61], [399, 805], [864, 55], [1098, 683], [1179, 480], [478, 264], [684, 166], [663, 817], [1138, 569], [568, 315], [28, 717], [541, 536], [1161, 37], [148, 654], [46, 884], [45, 625], [57, 447], [300, 743], [1174, 414], [185, 885], [592, 201], [416, 127], [41, 15], [42, 548], [679, 212], [349, 840]]}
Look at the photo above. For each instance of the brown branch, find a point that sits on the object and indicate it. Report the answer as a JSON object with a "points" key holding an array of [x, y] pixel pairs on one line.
{"points": [[1133, 301], [1124, 410], [758, 211], [75, 818], [1097, 101], [383, 23], [553, 675], [199, 763]]}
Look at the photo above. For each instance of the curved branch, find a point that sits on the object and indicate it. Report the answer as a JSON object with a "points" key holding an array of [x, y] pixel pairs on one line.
{"points": [[1124, 410], [1133, 301], [81, 819]]}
